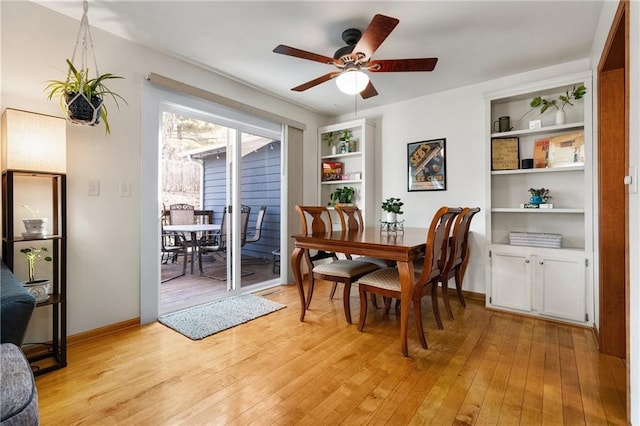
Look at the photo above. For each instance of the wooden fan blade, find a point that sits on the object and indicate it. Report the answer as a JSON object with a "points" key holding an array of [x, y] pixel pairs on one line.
{"points": [[315, 82], [378, 30], [303, 54], [369, 91], [403, 65]]}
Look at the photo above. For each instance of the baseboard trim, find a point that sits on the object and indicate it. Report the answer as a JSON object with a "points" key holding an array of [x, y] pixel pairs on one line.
{"points": [[102, 331], [547, 319]]}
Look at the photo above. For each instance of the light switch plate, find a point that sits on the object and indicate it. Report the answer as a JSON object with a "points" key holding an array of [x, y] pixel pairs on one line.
{"points": [[125, 189], [94, 188]]}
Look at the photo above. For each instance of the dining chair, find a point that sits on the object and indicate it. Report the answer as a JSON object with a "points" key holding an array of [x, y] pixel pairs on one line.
{"points": [[257, 229], [172, 244], [317, 220], [458, 257], [182, 214], [351, 219], [217, 242], [386, 281]]}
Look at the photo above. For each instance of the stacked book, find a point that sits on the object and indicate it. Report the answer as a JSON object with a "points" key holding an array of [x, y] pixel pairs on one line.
{"points": [[535, 239]]}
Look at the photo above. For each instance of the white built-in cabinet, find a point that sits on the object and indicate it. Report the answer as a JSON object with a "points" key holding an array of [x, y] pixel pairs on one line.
{"points": [[554, 283], [358, 164]]}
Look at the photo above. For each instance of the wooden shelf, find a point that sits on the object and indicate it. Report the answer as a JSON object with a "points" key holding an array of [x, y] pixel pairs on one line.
{"points": [[541, 130], [536, 211]]}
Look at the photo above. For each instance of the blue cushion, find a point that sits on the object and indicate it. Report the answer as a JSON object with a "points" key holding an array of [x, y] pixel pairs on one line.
{"points": [[16, 307]]}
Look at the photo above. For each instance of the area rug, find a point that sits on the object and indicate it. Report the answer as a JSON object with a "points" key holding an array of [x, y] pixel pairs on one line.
{"points": [[201, 321]]}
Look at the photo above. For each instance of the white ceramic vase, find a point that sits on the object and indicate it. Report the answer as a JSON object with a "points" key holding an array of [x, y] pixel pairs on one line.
{"points": [[560, 117], [35, 227], [392, 217]]}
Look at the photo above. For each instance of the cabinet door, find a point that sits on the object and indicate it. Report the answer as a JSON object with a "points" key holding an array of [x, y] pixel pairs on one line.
{"points": [[511, 280], [562, 283]]}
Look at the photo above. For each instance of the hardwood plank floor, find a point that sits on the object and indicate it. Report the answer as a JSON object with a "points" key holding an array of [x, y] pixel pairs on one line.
{"points": [[485, 367]]}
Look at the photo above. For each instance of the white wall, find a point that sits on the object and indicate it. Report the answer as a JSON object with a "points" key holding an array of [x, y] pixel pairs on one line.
{"points": [[103, 258], [459, 116]]}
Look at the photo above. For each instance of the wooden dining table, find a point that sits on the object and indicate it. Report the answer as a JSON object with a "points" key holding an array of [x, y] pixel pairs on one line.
{"points": [[402, 247]]}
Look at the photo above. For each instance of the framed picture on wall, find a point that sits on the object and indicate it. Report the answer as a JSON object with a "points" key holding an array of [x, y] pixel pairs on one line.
{"points": [[427, 165]]}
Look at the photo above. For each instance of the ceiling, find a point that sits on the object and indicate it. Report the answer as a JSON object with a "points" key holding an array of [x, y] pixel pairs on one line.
{"points": [[475, 41]]}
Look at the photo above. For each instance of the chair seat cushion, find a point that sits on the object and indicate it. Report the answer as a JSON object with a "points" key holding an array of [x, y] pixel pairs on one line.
{"points": [[18, 397], [345, 268], [387, 278]]}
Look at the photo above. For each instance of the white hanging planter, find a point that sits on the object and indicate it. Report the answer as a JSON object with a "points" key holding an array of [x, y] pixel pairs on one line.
{"points": [[82, 94]]}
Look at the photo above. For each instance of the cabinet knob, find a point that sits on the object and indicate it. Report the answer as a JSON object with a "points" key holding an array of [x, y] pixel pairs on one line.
{"points": [[526, 261], [541, 262]]}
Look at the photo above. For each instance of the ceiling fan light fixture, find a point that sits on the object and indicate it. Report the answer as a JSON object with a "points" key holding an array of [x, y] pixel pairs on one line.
{"points": [[352, 82]]}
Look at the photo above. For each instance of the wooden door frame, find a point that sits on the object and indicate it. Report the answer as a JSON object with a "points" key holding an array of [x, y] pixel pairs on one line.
{"points": [[615, 55]]}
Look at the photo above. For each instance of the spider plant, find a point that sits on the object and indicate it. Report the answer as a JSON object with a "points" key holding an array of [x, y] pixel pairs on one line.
{"points": [[79, 88]]}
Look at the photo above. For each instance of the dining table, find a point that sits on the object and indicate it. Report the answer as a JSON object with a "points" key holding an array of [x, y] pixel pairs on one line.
{"points": [[194, 230], [403, 247]]}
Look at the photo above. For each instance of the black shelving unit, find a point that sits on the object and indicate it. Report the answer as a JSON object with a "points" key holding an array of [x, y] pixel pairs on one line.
{"points": [[50, 355]]}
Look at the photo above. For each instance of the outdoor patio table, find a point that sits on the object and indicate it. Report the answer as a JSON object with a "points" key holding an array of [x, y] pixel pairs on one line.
{"points": [[194, 229]]}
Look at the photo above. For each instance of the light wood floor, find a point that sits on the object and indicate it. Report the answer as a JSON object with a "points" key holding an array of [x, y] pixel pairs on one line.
{"points": [[483, 368]]}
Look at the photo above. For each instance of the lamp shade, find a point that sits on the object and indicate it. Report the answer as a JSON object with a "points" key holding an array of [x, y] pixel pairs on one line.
{"points": [[34, 142], [352, 82]]}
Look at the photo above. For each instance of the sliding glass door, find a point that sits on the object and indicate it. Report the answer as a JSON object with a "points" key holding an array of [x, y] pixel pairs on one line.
{"points": [[230, 173]]}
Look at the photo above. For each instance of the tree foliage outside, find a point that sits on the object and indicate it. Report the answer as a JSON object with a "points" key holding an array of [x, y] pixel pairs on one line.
{"points": [[181, 178]]}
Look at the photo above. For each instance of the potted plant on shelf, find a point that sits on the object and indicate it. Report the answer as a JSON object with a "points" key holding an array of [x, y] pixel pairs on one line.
{"points": [[345, 142], [39, 288], [393, 207], [575, 94], [539, 196], [82, 98], [342, 196], [330, 140]]}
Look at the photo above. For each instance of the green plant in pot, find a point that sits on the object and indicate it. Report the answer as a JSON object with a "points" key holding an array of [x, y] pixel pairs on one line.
{"points": [[345, 141], [393, 207], [39, 288], [82, 97], [575, 94], [539, 196], [342, 196]]}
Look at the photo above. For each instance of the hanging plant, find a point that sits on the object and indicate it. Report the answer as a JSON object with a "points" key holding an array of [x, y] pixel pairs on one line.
{"points": [[82, 97]]}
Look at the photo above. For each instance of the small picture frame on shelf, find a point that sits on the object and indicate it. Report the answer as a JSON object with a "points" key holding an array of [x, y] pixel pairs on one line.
{"points": [[566, 150], [505, 153], [427, 165], [541, 153]]}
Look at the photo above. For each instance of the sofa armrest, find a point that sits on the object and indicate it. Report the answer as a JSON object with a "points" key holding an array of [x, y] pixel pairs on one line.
{"points": [[16, 307]]}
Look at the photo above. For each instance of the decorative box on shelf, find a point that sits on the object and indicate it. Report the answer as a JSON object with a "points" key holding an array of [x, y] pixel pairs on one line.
{"points": [[331, 170], [536, 206], [535, 239], [352, 176]]}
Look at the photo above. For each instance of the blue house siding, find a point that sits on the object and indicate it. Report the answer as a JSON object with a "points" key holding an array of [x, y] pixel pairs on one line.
{"points": [[260, 186]]}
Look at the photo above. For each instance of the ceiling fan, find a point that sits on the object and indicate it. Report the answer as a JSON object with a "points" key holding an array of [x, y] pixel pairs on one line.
{"points": [[354, 58]]}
